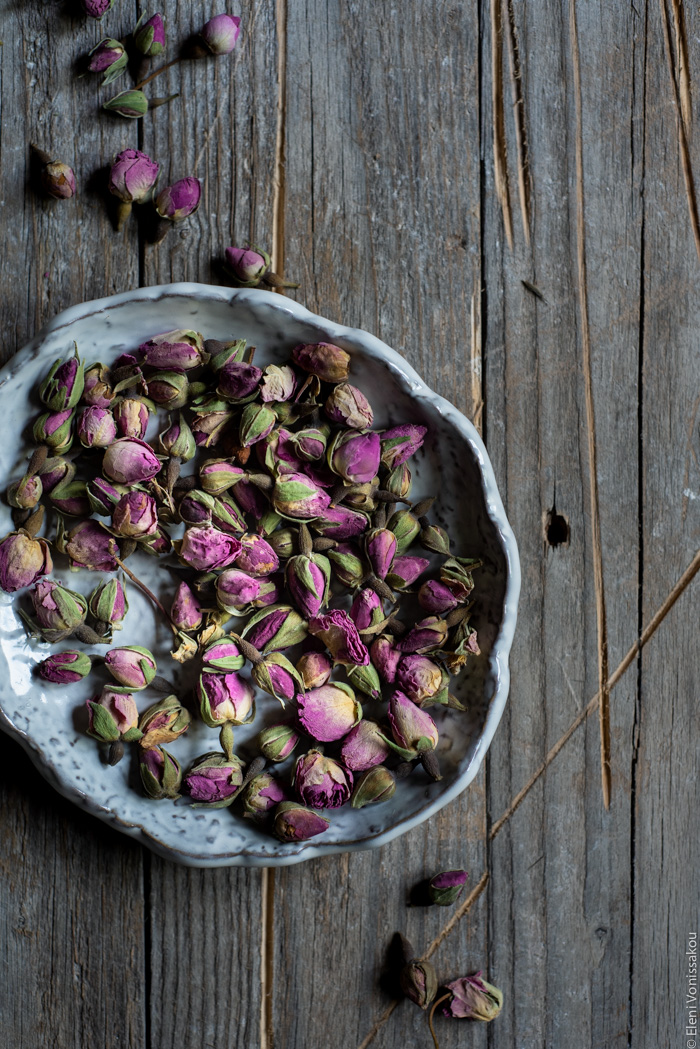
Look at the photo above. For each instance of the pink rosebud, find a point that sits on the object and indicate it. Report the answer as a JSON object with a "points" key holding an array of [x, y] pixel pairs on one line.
{"points": [[405, 569], [446, 887], [434, 597], [186, 611], [102, 496], [58, 180], [426, 636], [385, 657], [315, 669], [237, 592], [366, 609], [419, 677], [274, 629], [348, 406], [293, 822], [308, 578], [207, 548], [130, 461], [321, 782], [214, 779], [113, 715], [110, 55], [246, 266], [295, 495], [149, 38], [89, 545], [238, 380], [400, 443], [220, 33], [132, 666], [65, 668], [179, 350], [328, 362], [329, 712], [96, 8], [261, 796], [224, 697], [473, 999], [251, 500], [97, 389], [412, 728], [256, 556], [340, 636], [223, 654], [380, 547], [132, 176], [23, 561], [276, 742], [364, 747], [58, 610], [135, 515], [355, 456], [180, 200], [131, 417]]}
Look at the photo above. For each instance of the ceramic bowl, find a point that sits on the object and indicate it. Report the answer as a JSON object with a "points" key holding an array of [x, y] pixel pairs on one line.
{"points": [[50, 720]]}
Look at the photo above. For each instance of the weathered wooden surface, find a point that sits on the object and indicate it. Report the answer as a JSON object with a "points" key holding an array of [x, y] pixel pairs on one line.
{"points": [[356, 140]]}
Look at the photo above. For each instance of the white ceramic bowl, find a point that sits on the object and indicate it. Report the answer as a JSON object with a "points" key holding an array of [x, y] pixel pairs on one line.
{"points": [[49, 720]]}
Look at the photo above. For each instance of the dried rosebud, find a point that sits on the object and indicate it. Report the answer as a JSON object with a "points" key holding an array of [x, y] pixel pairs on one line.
{"points": [[315, 669], [419, 982], [276, 742], [434, 597], [294, 822], [63, 386], [179, 350], [275, 675], [435, 539], [131, 104], [178, 440], [380, 547], [340, 522], [163, 722], [354, 455], [101, 495], [405, 569], [55, 470], [385, 657], [223, 352], [340, 636], [157, 544], [220, 34], [180, 200], [308, 578], [257, 421], [108, 604], [323, 359], [218, 475], [207, 548], [366, 610], [186, 611], [169, 389], [329, 712], [238, 381], [321, 782], [446, 887], [108, 57], [23, 560], [275, 628], [348, 406], [112, 716], [214, 779], [132, 667], [247, 267], [131, 180], [284, 543], [426, 636], [364, 747], [58, 611], [223, 654], [89, 545], [237, 592], [208, 428], [130, 461], [419, 677], [473, 999], [96, 427], [196, 508], [398, 482], [135, 516], [225, 697], [55, 429], [256, 556], [374, 786], [25, 494], [348, 566], [400, 443], [295, 495], [261, 796], [65, 668], [366, 679], [131, 417], [58, 180], [71, 497], [96, 8], [227, 516], [412, 728], [456, 575], [149, 38], [405, 527], [278, 384], [161, 774]]}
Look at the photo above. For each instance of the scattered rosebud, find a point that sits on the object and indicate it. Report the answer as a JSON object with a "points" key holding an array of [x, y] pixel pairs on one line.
{"points": [[25, 494], [180, 350], [186, 611], [178, 440], [163, 722], [473, 999], [149, 38], [96, 8], [412, 728], [348, 406], [321, 782], [278, 384], [108, 604], [340, 636], [329, 712], [405, 569], [96, 427], [419, 981], [224, 697], [23, 561], [308, 578], [399, 481], [340, 522], [58, 611], [419, 678], [207, 548], [446, 887], [385, 657], [276, 742], [348, 566], [161, 774], [374, 786], [315, 669], [427, 635], [328, 362], [456, 575], [97, 389], [131, 666], [135, 516], [295, 495], [131, 417], [130, 461], [380, 548], [220, 34], [354, 455], [435, 539], [366, 610], [275, 628], [294, 822], [246, 266], [58, 179], [63, 386], [131, 104], [405, 527], [113, 716], [108, 57], [364, 747], [65, 668], [278, 677], [180, 200], [365, 679], [89, 545], [214, 780], [400, 443]]}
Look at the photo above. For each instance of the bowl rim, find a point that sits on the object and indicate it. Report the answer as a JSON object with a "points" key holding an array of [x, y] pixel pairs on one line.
{"points": [[409, 378]]}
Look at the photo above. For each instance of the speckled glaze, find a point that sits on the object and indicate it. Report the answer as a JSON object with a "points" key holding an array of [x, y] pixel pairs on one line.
{"points": [[50, 720]]}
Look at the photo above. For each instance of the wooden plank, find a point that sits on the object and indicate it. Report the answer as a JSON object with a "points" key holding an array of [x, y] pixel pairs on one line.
{"points": [[666, 856], [71, 898], [382, 213], [205, 928], [559, 916]]}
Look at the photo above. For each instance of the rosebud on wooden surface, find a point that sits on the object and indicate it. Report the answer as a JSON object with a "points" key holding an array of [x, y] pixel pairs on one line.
{"points": [[108, 57], [58, 180], [149, 37], [446, 887], [220, 34], [180, 200], [96, 8], [131, 104], [246, 266], [473, 999]]}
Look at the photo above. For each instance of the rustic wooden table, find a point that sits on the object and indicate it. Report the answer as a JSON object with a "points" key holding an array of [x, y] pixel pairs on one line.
{"points": [[504, 191]]}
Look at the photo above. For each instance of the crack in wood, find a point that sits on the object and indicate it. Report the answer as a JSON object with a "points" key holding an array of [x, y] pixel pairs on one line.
{"points": [[500, 152], [516, 87]]}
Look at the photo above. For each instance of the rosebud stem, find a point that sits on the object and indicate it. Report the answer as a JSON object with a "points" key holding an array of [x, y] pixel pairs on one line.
{"points": [[250, 353], [381, 588], [161, 684], [226, 739], [20, 517], [420, 509], [157, 72], [321, 544], [123, 212], [148, 593], [430, 1018]]}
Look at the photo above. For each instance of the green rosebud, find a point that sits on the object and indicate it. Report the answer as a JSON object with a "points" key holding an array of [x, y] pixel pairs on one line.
{"points": [[348, 566], [375, 785], [366, 679], [63, 386], [456, 574], [178, 440], [268, 523], [25, 494], [284, 543], [108, 604], [163, 722], [161, 774], [278, 677], [275, 628], [169, 389], [223, 654], [55, 429], [277, 742], [435, 538], [405, 527], [261, 796], [446, 887], [257, 421], [131, 104], [398, 481], [58, 610], [223, 352]]}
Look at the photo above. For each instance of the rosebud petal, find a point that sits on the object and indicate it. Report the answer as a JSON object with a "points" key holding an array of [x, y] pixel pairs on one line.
{"points": [[180, 200], [294, 822], [130, 461], [321, 782], [364, 747], [207, 548], [339, 634], [328, 362], [132, 176], [65, 668], [329, 712]]}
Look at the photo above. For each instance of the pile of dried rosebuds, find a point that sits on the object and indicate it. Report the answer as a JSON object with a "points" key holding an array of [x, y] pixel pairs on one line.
{"points": [[299, 533]]}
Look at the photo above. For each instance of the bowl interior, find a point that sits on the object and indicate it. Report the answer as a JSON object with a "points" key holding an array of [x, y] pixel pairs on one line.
{"points": [[50, 720]]}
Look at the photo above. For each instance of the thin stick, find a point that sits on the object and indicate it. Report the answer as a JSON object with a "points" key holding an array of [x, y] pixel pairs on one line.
{"points": [[430, 1018], [147, 592], [157, 72]]}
